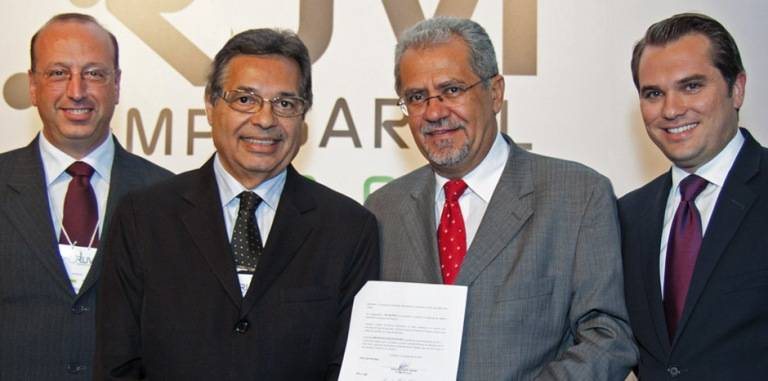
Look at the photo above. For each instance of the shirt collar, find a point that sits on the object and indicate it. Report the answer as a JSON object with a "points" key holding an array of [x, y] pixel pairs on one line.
{"points": [[716, 170], [56, 161], [482, 179], [230, 188]]}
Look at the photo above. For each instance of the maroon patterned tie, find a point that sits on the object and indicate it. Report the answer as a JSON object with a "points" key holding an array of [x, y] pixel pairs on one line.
{"points": [[451, 235], [682, 250], [80, 209]]}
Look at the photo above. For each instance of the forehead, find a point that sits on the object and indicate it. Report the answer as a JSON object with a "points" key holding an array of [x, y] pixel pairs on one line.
{"points": [[420, 66], [686, 56], [70, 42], [262, 72]]}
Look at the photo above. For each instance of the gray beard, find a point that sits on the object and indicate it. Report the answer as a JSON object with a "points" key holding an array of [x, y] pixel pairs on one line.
{"points": [[446, 156]]}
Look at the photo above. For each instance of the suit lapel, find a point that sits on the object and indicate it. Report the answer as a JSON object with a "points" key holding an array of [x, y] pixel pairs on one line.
{"points": [[28, 209], [418, 217], [735, 200], [508, 210], [649, 240], [123, 178], [289, 231], [204, 221]]}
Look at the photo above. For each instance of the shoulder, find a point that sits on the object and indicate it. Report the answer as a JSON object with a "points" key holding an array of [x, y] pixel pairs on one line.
{"points": [[168, 190], [559, 177], [639, 198], [8, 158], [148, 170], [330, 203], [399, 188], [10, 161]]}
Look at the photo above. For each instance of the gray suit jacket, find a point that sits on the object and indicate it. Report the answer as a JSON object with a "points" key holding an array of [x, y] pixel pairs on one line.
{"points": [[46, 331], [544, 277]]}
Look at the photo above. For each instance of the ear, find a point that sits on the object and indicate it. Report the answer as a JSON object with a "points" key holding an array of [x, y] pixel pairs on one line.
{"points": [[209, 109], [737, 91], [118, 74], [497, 92], [32, 88]]}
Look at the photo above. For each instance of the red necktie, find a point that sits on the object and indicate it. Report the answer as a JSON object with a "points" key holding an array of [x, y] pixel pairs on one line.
{"points": [[80, 209], [451, 235], [682, 250]]}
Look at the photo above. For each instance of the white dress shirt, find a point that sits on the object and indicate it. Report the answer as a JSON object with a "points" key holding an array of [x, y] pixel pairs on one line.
{"points": [[55, 163], [715, 172], [230, 188], [481, 182]]}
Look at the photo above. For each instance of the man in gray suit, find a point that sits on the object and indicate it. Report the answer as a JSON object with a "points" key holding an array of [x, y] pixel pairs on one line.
{"points": [[56, 196], [534, 239]]}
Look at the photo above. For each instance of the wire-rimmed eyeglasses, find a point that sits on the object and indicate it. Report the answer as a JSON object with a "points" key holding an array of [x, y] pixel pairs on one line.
{"points": [[416, 102], [249, 102]]}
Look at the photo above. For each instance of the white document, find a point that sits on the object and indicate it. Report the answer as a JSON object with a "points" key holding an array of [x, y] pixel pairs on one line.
{"points": [[405, 332]]}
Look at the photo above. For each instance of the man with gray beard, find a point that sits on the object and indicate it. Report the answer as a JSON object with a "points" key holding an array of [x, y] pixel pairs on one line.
{"points": [[535, 239]]}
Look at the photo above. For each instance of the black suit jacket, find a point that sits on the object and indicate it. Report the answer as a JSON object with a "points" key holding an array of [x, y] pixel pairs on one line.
{"points": [[172, 308], [46, 331], [723, 333]]}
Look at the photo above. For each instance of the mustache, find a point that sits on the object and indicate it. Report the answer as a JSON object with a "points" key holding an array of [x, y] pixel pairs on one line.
{"points": [[440, 125]]}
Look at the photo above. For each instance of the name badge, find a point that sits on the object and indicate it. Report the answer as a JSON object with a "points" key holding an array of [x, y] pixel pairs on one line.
{"points": [[245, 281], [77, 261]]}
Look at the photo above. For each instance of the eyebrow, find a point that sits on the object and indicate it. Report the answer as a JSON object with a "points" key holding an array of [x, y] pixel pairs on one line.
{"points": [[439, 86], [648, 88], [683, 81], [692, 78], [255, 91]]}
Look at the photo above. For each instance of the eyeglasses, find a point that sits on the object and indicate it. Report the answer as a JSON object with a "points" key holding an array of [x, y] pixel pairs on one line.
{"points": [[415, 103], [94, 76], [248, 102]]}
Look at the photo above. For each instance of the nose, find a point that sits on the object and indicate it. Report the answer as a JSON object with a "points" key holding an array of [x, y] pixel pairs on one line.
{"points": [[264, 118], [76, 87], [435, 108], [673, 107]]}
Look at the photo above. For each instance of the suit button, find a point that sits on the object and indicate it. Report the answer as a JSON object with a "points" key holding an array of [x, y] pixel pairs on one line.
{"points": [[673, 371], [242, 326], [77, 310], [75, 368]]}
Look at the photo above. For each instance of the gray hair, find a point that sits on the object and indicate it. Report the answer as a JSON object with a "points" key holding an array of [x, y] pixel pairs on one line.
{"points": [[263, 41], [482, 57]]}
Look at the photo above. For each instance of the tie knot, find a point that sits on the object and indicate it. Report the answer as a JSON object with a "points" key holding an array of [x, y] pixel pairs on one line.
{"points": [[79, 168], [691, 186], [454, 189], [249, 201]]}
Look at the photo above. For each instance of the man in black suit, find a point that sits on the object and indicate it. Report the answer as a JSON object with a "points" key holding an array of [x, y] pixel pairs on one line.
{"points": [[49, 272], [198, 284], [695, 238]]}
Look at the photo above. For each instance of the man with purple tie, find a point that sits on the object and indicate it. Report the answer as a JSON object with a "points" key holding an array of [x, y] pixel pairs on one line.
{"points": [[694, 239], [56, 197]]}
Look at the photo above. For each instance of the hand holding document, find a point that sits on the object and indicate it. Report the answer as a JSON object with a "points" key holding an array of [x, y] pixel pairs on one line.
{"points": [[405, 332]]}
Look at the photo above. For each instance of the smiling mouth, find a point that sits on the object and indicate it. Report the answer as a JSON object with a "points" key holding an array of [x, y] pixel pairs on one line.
{"points": [[262, 142], [77, 111], [681, 129]]}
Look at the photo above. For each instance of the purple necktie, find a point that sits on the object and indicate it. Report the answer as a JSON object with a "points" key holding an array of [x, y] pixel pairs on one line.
{"points": [[682, 250], [80, 209]]}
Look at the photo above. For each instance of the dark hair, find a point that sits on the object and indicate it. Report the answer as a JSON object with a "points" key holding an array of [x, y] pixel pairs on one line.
{"points": [[482, 57], [262, 41], [73, 17], [724, 52]]}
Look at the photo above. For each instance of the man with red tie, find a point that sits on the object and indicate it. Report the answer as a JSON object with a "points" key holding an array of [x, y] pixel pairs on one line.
{"points": [[694, 239], [535, 239], [56, 197]]}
